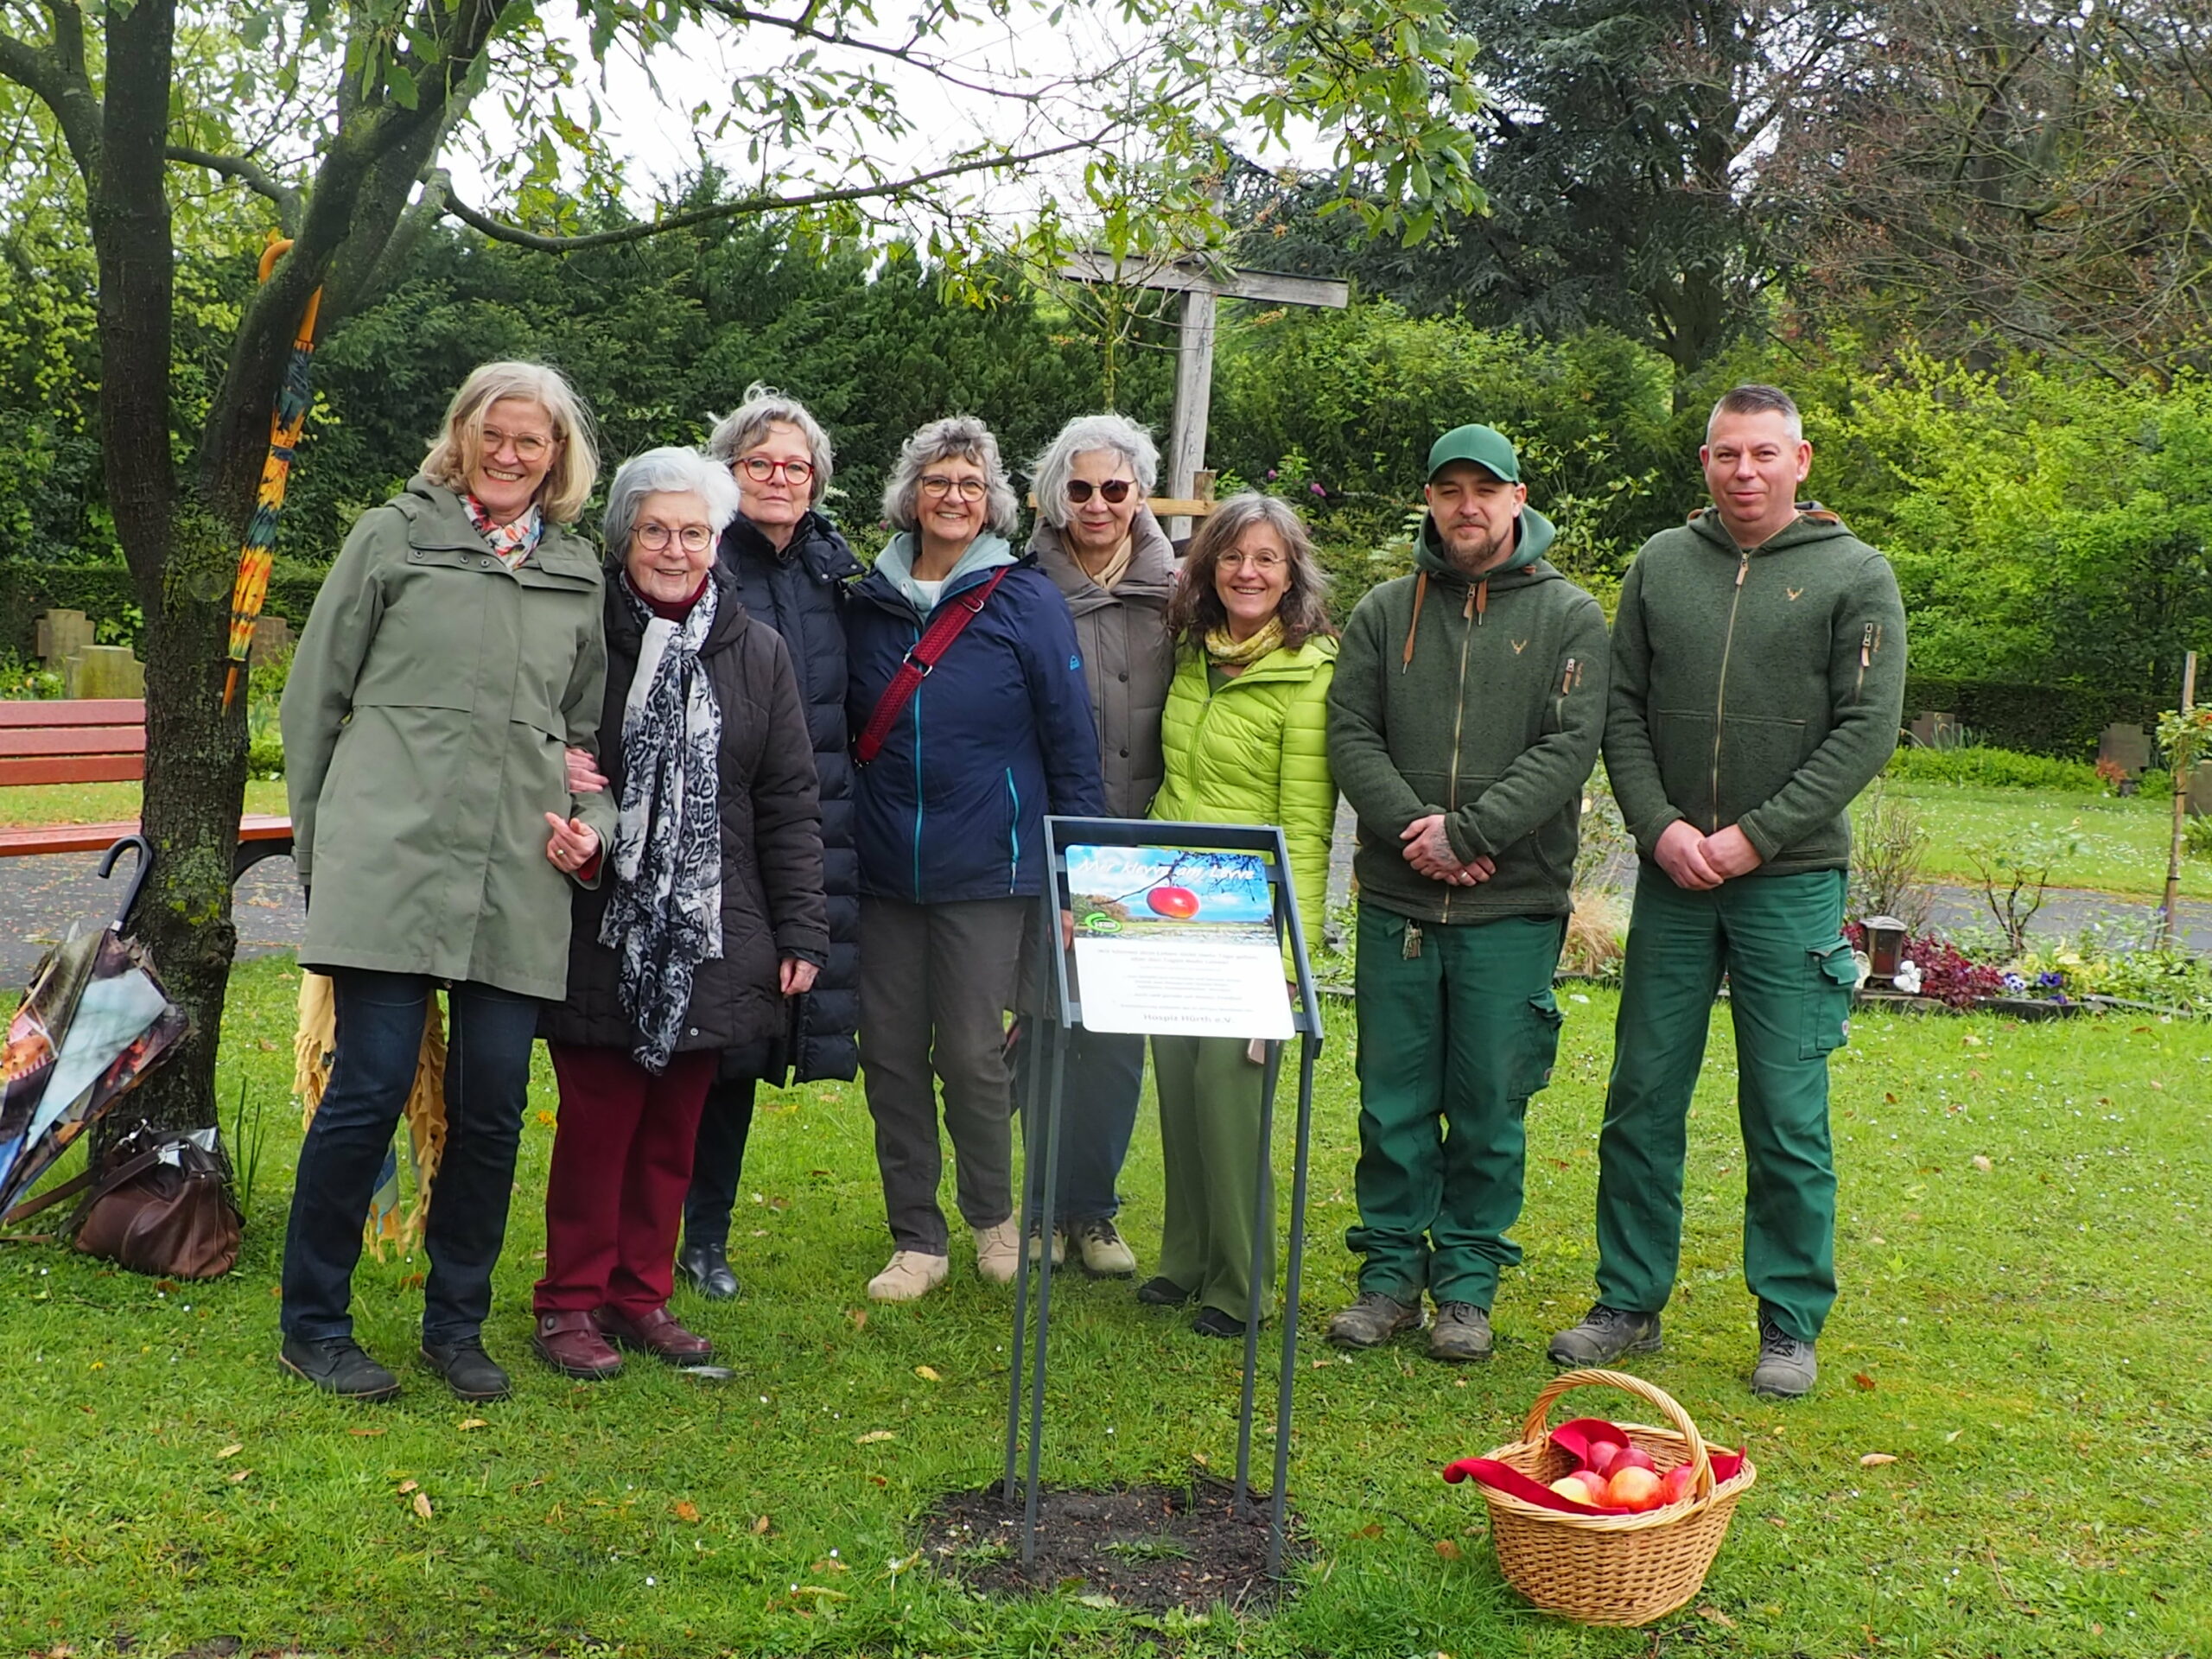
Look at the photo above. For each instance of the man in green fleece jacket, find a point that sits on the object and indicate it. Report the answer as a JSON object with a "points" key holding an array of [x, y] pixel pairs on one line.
{"points": [[1466, 713], [1758, 672]]}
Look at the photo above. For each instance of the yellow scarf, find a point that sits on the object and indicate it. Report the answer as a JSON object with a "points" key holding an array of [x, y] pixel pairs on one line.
{"points": [[1226, 653], [1116, 566]]}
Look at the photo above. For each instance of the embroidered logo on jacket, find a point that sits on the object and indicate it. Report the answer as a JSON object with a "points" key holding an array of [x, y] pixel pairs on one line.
{"points": [[1520, 645]]}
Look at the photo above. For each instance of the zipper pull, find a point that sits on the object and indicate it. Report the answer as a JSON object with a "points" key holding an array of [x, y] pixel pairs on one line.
{"points": [[1866, 647], [1567, 677], [1412, 951], [1743, 567]]}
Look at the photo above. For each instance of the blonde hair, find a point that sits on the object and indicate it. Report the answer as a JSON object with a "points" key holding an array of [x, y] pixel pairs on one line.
{"points": [[569, 482]]}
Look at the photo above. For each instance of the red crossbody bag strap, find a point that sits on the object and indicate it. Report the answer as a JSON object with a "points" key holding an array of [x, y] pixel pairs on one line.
{"points": [[921, 656]]}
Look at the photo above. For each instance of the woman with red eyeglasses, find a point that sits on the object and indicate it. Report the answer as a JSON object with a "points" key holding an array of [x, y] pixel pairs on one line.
{"points": [[1114, 565]]}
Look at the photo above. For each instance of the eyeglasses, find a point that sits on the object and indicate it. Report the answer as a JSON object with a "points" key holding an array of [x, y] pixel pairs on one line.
{"points": [[528, 446], [968, 489], [761, 469], [655, 538], [1264, 562], [1116, 490]]}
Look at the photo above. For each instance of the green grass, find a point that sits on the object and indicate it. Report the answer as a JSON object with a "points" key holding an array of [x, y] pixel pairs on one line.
{"points": [[2030, 1340], [104, 803], [2123, 841]]}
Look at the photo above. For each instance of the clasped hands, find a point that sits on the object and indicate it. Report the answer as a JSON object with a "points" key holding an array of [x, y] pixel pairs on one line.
{"points": [[1428, 849], [1701, 862]]}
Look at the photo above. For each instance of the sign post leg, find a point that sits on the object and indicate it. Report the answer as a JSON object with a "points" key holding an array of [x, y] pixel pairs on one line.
{"points": [[1262, 1241], [1309, 1050], [1056, 1069]]}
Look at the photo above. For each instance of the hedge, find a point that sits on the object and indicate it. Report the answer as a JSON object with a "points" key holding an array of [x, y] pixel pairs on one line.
{"points": [[2063, 721], [105, 592]]}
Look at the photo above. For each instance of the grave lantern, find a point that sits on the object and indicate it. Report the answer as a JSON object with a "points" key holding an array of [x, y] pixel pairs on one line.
{"points": [[1886, 942]]}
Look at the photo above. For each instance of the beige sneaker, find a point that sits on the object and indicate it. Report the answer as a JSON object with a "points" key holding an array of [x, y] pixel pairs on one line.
{"points": [[908, 1276], [998, 1251], [1036, 1246], [1105, 1254]]}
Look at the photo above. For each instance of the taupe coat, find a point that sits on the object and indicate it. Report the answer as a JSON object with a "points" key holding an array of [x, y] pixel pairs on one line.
{"points": [[425, 717], [1127, 658]]}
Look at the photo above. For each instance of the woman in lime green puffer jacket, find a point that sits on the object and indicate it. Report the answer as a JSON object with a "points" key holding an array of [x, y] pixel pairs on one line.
{"points": [[1245, 735]]}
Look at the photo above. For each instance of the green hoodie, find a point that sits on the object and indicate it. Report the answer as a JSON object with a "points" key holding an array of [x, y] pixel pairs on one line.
{"points": [[1483, 701], [1760, 688]]}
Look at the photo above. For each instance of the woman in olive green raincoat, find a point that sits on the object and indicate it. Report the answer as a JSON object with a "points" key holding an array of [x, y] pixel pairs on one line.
{"points": [[454, 654]]}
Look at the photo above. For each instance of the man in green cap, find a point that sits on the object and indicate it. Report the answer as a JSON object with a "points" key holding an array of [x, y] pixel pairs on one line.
{"points": [[1758, 672], [1466, 713]]}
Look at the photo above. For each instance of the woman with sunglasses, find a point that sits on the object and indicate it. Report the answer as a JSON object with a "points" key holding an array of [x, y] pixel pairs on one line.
{"points": [[959, 766], [1114, 565]]}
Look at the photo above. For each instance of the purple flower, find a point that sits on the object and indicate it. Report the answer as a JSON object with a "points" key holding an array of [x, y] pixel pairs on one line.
{"points": [[2014, 983], [2050, 982], [1272, 475], [1317, 489]]}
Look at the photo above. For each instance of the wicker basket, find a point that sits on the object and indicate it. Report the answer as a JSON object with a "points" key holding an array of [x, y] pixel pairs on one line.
{"points": [[1611, 1569]]}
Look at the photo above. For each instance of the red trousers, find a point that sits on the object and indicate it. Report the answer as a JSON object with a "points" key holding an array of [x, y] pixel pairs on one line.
{"points": [[621, 1166]]}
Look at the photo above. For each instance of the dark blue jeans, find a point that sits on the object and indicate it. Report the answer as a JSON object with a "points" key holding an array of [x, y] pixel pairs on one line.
{"points": [[379, 1021], [1101, 1084]]}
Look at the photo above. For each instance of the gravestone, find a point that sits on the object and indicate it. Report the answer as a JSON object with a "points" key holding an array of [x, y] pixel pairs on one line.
{"points": [[61, 635], [1932, 731], [2126, 746], [103, 672], [273, 638]]}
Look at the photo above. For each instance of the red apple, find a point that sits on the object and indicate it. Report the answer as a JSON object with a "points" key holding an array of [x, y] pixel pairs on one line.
{"points": [[1631, 1456], [1675, 1485], [1601, 1455], [1575, 1489], [1177, 903], [1633, 1488]]}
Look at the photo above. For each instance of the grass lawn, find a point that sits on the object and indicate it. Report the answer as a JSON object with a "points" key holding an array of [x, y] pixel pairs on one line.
{"points": [[2026, 1338], [2123, 841], [102, 803]]}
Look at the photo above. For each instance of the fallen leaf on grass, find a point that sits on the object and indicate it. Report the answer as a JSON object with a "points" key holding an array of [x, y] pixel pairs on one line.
{"points": [[873, 1436], [365, 1434], [829, 1564], [1875, 1459], [759, 1525], [928, 1374], [1863, 1381], [687, 1511], [467, 1423], [412, 1282], [1982, 1163], [1952, 1436], [1098, 1600], [1447, 1550], [230, 1451], [858, 1316], [237, 1475], [423, 1504], [1709, 1610], [407, 1486], [1372, 1529]]}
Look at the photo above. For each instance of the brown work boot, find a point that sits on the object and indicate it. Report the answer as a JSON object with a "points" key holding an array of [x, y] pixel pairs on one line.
{"points": [[571, 1345], [656, 1333]]}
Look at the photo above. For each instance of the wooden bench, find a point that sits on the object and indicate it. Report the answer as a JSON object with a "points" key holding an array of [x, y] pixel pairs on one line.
{"points": [[99, 740]]}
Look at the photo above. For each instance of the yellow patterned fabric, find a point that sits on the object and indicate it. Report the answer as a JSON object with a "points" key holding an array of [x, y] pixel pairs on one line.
{"points": [[313, 1046]]}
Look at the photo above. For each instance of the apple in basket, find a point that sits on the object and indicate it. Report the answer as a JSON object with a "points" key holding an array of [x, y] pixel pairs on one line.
{"points": [[1677, 1484], [1581, 1487], [1632, 1487], [1600, 1456]]}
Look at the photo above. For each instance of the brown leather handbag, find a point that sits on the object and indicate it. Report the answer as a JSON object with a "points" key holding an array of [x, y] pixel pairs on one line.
{"points": [[162, 1206]]}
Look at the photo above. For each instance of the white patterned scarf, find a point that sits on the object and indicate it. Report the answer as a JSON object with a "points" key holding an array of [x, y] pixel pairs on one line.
{"points": [[666, 915]]}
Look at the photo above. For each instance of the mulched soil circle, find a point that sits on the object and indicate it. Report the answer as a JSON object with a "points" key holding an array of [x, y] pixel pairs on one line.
{"points": [[1146, 1547]]}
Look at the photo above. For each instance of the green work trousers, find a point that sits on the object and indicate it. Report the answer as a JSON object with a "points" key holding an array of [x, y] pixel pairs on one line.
{"points": [[1790, 980], [1217, 1169], [1457, 1029]]}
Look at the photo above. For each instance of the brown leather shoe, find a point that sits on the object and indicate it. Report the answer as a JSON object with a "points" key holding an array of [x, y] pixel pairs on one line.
{"points": [[656, 1333], [571, 1345]]}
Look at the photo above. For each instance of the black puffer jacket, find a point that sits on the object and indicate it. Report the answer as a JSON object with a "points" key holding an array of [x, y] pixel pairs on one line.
{"points": [[800, 593], [772, 905]]}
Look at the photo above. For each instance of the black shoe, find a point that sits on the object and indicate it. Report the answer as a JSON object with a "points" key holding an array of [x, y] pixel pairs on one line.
{"points": [[1374, 1318], [470, 1372], [337, 1365], [1786, 1368], [1212, 1322], [1163, 1293], [1604, 1335], [1461, 1332], [706, 1266]]}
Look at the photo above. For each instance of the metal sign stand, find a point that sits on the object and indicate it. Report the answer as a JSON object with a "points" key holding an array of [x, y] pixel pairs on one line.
{"points": [[1041, 1117]]}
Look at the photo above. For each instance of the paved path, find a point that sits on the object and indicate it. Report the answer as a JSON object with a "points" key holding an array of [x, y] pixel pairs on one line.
{"points": [[2067, 912]]}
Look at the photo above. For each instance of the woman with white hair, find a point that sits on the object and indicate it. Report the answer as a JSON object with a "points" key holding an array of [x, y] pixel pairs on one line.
{"points": [[455, 649], [973, 723], [790, 568], [709, 914], [1114, 565]]}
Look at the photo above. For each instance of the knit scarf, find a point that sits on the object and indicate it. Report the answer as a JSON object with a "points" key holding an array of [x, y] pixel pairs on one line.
{"points": [[664, 916], [511, 542], [1226, 653]]}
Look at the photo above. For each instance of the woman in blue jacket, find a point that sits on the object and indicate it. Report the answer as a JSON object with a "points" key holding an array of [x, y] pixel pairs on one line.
{"points": [[949, 819]]}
